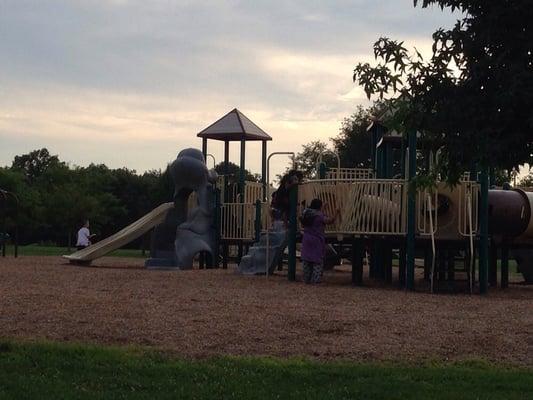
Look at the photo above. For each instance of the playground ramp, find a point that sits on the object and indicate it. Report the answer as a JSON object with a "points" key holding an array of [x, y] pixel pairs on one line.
{"points": [[122, 237]]}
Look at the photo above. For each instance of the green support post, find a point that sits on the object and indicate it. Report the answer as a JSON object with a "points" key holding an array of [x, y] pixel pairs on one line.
{"points": [[428, 259], [225, 195], [411, 214], [387, 173], [373, 260], [380, 160], [401, 265], [387, 262], [473, 172], [357, 261], [450, 267], [293, 203], [373, 144], [263, 170], [242, 192], [204, 148], [240, 251], [388, 161], [218, 214], [375, 137], [225, 250], [504, 267], [484, 232], [226, 172], [257, 220], [243, 166], [378, 259], [493, 264], [504, 282], [441, 262], [402, 159], [322, 171]]}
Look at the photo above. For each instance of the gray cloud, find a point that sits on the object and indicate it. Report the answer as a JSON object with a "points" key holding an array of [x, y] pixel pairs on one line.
{"points": [[167, 46], [86, 67]]}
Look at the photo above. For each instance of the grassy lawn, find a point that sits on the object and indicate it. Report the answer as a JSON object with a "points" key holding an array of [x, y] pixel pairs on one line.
{"points": [[36, 250], [59, 371]]}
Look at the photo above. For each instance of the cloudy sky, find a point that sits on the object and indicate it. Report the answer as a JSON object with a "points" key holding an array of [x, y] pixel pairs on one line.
{"points": [[130, 82]]}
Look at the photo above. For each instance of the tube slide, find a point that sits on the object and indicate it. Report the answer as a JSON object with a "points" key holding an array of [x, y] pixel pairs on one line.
{"points": [[511, 216], [122, 237]]}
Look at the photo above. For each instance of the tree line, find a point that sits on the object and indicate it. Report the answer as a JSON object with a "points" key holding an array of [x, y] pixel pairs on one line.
{"points": [[55, 198]]}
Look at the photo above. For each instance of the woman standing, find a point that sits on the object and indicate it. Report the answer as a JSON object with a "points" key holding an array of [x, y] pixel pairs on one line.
{"points": [[314, 240]]}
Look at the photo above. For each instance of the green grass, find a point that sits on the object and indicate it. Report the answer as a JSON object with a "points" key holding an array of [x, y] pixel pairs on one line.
{"points": [[59, 371], [36, 250]]}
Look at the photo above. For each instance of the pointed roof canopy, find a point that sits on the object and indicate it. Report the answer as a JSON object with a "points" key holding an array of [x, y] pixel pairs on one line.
{"points": [[234, 126]]}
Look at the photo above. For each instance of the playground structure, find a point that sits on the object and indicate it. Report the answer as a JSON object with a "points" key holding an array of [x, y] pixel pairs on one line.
{"points": [[383, 217]]}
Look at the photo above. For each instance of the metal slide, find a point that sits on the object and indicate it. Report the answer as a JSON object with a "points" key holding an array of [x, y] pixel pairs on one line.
{"points": [[122, 237]]}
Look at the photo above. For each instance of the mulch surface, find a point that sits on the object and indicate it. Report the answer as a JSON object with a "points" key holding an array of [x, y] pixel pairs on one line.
{"points": [[201, 313]]}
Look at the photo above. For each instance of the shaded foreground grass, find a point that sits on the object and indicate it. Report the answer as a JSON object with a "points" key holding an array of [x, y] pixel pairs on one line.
{"points": [[37, 250], [59, 371]]}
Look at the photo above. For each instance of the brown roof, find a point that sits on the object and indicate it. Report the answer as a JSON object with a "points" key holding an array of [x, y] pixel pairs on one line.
{"points": [[234, 126]]}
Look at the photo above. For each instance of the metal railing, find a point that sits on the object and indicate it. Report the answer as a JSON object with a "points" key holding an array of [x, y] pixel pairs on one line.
{"points": [[238, 220], [252, 191], [427, 205], [369, 206], [350, 174], [432, 231], [467, 220]]}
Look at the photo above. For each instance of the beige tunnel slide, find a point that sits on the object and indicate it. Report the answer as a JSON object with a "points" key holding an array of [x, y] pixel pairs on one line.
{"points": [[122, 237]]}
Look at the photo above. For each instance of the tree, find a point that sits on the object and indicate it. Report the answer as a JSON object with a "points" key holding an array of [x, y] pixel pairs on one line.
{"points": [[353, 142], [234, 173], [35, 163], [352, 145], [55, 199], [526, 181], [306, 161], [473, 98], [163, 186], [30, 205]]}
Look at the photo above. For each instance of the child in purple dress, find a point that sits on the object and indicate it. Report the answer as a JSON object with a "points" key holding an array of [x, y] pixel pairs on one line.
{"points": [[314, 240]]}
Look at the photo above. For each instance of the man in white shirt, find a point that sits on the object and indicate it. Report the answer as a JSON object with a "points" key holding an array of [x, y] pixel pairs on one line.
{"points": [[84, 236]]}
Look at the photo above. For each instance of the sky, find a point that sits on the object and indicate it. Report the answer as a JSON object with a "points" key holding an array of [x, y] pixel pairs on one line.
{"points": [[129, 83]]}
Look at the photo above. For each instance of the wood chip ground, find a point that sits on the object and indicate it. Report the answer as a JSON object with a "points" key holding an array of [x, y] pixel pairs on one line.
{"points": [[201, 313]]}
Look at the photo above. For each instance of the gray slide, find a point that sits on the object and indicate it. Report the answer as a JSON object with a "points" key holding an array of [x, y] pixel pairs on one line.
{"points": [[255, 262]]}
